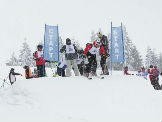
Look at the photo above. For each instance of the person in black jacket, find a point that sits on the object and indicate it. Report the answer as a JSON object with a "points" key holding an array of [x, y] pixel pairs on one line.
{"points": [[104, 43], [70, 57], [12, 77]]}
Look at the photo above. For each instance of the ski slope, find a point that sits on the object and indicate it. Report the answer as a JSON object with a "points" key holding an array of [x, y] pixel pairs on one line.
{"points": [[116, 98]]}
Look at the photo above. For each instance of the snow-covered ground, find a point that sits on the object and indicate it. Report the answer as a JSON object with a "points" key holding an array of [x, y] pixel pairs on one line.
{"points": [[116, 98]]}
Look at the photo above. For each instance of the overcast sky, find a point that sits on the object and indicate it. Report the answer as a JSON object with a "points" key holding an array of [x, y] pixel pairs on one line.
{"points": [[77, 19]]}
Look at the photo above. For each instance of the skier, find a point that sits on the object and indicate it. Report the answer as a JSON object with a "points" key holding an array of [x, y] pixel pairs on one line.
{"points": [[12, 77], [28, 73], [90, 51], [142, 73], [70, 57], [38, 57], [104, 43], [153, 75], [126, 71], [80, 61], [61, 67]]}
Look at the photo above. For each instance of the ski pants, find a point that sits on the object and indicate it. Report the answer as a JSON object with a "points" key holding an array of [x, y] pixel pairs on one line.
{"points": [[155, 83], [61, 72], [40, 70], [68, 69], [80, 67], [92, 65], [103, 63]]}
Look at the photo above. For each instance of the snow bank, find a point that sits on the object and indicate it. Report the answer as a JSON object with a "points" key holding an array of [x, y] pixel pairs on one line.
{"points": [[116, 98]]}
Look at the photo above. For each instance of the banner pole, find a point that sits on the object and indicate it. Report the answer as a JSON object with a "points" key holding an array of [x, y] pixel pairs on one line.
{"points": [[123, 48], [58, 43], [111, 49], [43, 53]]}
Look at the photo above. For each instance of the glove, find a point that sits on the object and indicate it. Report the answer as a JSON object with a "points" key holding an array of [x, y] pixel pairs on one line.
{"points": [[104, 56]]}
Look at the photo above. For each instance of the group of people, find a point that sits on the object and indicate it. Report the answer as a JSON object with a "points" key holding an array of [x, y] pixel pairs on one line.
{"points": [[153, 73], [84, 62]]}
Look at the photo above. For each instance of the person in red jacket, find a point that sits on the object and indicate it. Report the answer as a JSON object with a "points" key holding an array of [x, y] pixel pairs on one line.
{"points": [[150, 73], [154, 77], [126, 71], [38, 56], [90, 51], [104, 45]]}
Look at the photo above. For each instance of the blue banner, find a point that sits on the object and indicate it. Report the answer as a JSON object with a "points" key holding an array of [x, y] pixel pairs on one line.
{"points": [[117, 46], [51, 43]]}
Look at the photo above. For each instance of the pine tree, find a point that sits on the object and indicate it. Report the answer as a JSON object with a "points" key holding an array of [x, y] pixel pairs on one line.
{"points": [[133, 58], [13, 60], [160, 62], [25, 57], [93, 36], [148, 59], [136, 61]]}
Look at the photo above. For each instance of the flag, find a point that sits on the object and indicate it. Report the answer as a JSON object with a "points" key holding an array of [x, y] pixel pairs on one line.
{"points": [[51, 43], [117, 45]]}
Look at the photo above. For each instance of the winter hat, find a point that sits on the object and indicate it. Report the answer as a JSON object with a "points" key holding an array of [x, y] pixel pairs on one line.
{"points": [[100, 35], [39, 46], [12, 69], [68, 41], [151, 66]]}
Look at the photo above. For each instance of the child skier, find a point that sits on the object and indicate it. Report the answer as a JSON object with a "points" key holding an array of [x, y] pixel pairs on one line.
{"points": [[12, 77], [61, 67], [91, 51], [28, 73], [38, 57]]}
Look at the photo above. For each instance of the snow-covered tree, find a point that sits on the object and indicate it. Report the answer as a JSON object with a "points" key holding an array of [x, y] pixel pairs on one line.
{"points": [[133, 58], [136, 61], [160, 62], [25, 57], [148, 57], [93, 36], [13, 60]]}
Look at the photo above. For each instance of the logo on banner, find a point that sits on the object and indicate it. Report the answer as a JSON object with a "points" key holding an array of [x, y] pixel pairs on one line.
{"points": [[117, 46], [51, 50]]}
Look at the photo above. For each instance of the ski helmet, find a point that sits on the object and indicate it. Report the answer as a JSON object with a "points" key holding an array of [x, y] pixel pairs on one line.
{"points": [[100, 35], [68, 41], [151, 66]]}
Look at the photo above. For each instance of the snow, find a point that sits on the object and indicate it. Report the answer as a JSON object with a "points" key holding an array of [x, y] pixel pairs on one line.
{"points": [[116, 98]]}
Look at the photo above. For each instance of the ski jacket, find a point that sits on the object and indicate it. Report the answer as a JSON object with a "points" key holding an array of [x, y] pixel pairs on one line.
{"points": [[155, 72], [39, 58], [126, 71], [62, 63], [12, 77], [70, 51], [91, 49], [104, 43], [28, 73]]}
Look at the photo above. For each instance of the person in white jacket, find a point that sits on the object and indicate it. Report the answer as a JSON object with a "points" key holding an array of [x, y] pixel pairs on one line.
{"points": [[70, 57]]}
